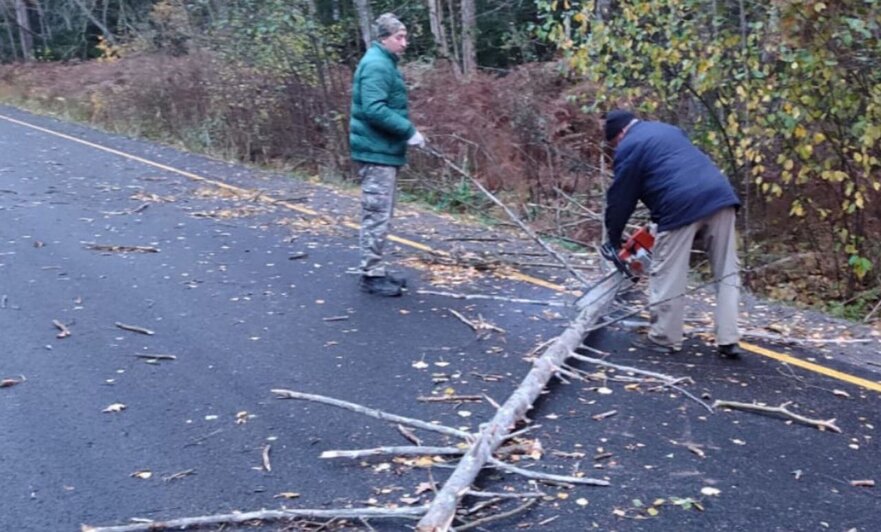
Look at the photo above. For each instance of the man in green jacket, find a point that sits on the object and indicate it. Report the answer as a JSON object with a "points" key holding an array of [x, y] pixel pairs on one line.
{"points": [[379, 133]]}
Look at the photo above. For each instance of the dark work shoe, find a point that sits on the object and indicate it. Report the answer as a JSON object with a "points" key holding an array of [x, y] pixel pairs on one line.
{"points": [[380, 286], [648, 344], [731, 351], [400, 281]]}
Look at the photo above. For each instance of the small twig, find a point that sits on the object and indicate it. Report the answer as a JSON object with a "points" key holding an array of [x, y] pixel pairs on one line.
{"points": [[463, 319], [626, 369], [497, 517], [409, 435], [122, 249], [402, 450], [753, 407], [198, 441], [872, 312], [179, 475], [266, 465], [65, 332], [155, 357], [528, 473], [604, 415], [335, 318], [134, 328], [505, 495], [549, 303], [449, 398], [371, 412]]}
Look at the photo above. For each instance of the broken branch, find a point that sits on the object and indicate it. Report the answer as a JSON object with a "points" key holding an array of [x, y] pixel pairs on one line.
{"points": [[401, 450], [262, 515], [754, 407], [371, 412], [536, 475]]}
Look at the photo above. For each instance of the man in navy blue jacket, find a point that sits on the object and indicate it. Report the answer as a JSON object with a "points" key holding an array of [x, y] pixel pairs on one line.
{"points": [[689, 198]]}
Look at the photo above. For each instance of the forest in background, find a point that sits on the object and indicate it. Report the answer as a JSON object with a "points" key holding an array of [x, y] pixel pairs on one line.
{"points": [[785, 95]]}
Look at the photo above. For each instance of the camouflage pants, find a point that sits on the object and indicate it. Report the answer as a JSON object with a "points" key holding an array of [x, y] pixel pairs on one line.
{"points": [[377, 208]]}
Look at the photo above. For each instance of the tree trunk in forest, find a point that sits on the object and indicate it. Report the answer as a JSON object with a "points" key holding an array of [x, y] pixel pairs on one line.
{"points": [[88, 13], [13, 51], [25, 35], [365, 19], [453, 45], [469, 36], [436, 22]]}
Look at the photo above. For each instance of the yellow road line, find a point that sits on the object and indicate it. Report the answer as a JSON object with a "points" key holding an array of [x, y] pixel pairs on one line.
{"points": [[811, 366], [816, 368]]}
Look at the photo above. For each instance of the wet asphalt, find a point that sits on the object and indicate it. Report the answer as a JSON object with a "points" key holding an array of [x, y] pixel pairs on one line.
{"points": [[248, 296]]}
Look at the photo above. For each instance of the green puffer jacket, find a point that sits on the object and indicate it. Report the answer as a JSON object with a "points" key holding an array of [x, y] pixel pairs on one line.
{"points": [[380, 124]]}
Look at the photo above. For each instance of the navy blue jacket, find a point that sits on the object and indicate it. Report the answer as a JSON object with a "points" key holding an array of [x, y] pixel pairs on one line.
{"points": [[658, 164]]}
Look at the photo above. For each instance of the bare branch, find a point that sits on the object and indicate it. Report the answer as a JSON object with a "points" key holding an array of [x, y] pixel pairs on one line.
{"points": [[754, 407], [371, 412]]}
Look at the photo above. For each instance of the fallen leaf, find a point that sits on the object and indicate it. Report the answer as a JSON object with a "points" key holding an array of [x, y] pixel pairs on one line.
{"points": [[115, 407], [143, 474], [582, 502], [652, 512], [841, 393], [287, 495], [423, 461], [420, 364], [410, 500], [464, 413], [738, 442], [423, 487], [863, 483], [604, 391], [241, 417]]}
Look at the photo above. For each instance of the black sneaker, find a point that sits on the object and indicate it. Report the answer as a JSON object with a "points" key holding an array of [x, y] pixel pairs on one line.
{"points": [[400, 281], [381, 286], [731, 351]]}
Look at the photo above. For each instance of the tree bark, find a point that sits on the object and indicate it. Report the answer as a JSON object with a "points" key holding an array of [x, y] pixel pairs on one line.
{"points": [[25, 35], [8, 23], [469, 36], [440, 514], [436, 22], [88, 13], [364, 21]]}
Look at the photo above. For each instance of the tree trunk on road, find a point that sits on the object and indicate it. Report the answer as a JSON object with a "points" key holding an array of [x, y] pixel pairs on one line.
{"points": [[443, 509]]}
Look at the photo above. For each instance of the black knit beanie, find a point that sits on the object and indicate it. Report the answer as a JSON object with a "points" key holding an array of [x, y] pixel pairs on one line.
{"points": [[616, 121]]}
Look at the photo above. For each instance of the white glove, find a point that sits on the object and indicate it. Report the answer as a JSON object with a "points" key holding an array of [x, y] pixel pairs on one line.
{"points": [[416, 140]]}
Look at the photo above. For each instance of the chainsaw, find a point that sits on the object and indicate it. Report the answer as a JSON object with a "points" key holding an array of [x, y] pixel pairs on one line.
{"points": [[631, 262]]}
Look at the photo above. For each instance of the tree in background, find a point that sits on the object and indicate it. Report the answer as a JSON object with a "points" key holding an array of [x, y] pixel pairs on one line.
{"points": [[787, 93]]}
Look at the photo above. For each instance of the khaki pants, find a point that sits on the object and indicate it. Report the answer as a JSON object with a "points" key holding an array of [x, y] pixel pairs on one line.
{"points": [[377, 208], [669, 276]]}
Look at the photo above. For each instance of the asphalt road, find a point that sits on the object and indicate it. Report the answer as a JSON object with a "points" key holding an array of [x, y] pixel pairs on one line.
{"points": [[248, 296]]}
